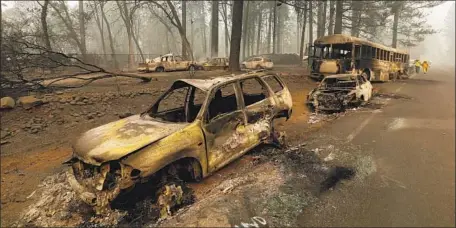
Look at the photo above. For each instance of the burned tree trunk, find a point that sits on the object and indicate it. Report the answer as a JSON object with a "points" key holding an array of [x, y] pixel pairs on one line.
{"points": [[236, 30], [258, 34], [396, 11], [244, 30], [319, 18], [355, 17], [44, 26], [269, 38], [184, 28], [338, 20], [82, 30], [67, 21], [298, 29], [174, 19], [310, 22], [303, 33], [111, 40], [203, 24], [125, 14], [100, 26], [227, 33], [279, 29], [323, 20], [214, 28], [331, 17], [274, 30]]}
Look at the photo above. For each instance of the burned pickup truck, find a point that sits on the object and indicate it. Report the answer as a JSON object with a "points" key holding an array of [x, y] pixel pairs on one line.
{"points": [[194, 129], [337, 92], [168, 62]]}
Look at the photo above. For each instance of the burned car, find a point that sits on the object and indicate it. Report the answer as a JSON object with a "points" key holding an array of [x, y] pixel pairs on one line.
{"points": [[337, 92], [216, 64], [194, 129], [168, 62], [258, 63]]}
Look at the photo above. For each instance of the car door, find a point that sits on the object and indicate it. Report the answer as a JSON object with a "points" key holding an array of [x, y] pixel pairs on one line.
{"points": [[180, 63], [363, 87], [260, 109], [224, 126], [282, 95], [170, 64]]}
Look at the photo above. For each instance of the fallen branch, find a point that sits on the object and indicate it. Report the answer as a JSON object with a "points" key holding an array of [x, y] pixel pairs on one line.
{"points": [[24, 57]]}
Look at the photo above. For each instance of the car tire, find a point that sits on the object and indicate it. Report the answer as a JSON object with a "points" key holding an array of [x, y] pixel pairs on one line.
{"points": [[258, 67], [160, 69]]}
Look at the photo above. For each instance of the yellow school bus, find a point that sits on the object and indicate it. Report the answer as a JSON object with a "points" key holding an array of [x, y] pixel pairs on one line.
{"points": [[341, 54]]}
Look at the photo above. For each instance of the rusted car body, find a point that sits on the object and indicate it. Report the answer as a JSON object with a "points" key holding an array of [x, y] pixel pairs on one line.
{"points": [[258, 63], [216, 64], [198, 125], [167, 62], [336, 92]]}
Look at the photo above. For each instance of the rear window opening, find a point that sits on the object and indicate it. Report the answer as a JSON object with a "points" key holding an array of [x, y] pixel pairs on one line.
{"points": [[181, 103], [224, 101], [274, 83], [253, 91]]}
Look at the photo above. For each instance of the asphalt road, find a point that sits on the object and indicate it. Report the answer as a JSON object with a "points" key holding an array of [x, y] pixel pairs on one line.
{"points": [[412, 143]]}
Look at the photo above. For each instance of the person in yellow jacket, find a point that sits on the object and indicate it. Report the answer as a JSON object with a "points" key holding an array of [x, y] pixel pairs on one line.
{"points": [[425, 66], [417, 66]]}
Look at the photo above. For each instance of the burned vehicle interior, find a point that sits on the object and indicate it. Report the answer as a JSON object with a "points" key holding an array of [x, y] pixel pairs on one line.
{"points": [[181, 103], [341, 52], [252, 91]]}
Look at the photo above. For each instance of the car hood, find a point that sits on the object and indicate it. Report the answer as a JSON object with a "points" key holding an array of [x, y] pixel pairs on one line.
{"points": [[119, 138]]}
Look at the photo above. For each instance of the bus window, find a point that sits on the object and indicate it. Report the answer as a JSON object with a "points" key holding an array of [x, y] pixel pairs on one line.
{"points": [[369, 52], [357, 53], [374, 53], [363, 51], [317, 52]]}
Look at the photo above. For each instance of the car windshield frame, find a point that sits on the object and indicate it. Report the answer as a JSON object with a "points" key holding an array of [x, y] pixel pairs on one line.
{"points": [[324, 86], [153, 109]]}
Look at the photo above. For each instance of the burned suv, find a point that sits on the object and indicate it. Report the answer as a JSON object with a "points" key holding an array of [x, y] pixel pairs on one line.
{"points": [[195, 128], [337, 92]]}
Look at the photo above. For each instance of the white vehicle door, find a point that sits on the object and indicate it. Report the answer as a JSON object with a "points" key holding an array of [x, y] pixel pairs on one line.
{"points": [[364, 87]]}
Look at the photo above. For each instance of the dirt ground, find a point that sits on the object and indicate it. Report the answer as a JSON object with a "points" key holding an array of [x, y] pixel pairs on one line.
{"points": [[36, 141]]}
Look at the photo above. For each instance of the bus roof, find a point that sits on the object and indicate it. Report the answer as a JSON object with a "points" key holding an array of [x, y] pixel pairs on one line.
{"points": [[341, 39]]}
